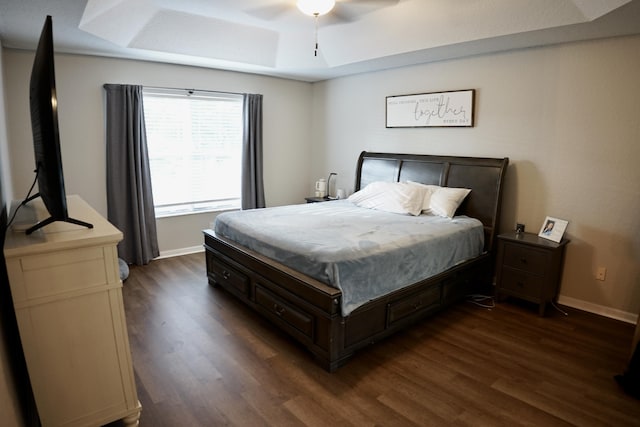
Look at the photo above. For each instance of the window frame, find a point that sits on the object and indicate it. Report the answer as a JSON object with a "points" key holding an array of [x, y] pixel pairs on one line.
{"points": [[197, 206]]}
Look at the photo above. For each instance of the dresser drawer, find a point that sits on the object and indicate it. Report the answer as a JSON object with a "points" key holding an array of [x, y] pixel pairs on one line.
{"points": [[521, 284], [59, 274], [525, 258], [227, 276], [301, 321]]}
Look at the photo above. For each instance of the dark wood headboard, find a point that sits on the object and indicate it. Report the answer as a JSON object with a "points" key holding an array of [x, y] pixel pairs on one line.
{"points": [[484, 176]]}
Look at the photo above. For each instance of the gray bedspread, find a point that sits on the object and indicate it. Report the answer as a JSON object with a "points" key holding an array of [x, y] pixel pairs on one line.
{"points": [[363, 252]]}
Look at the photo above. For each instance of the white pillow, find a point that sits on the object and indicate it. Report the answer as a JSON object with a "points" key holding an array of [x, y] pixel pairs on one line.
{"points": [[441, 201], [445, 201], [429, 190], [395, 197]]}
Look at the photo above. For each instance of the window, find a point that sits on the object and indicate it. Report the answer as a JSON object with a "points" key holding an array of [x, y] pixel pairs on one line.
{"points": [[195, 150]]}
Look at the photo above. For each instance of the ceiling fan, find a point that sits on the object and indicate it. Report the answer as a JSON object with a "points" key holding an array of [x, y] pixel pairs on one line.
{"points": [[336, 11]]}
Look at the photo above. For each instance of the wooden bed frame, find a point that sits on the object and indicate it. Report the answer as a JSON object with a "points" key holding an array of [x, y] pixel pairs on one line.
{"points": [[309, 310]]}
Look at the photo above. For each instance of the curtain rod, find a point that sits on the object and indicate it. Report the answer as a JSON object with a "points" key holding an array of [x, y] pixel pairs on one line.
{"points": [[187, 90], [191, 90]]}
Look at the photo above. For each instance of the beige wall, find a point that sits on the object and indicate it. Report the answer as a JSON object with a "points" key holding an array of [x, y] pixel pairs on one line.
{"points": [[567, 116], [79, 81]]}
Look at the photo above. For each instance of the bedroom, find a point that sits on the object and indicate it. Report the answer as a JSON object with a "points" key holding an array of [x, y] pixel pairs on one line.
{"points": [[565, 115]]}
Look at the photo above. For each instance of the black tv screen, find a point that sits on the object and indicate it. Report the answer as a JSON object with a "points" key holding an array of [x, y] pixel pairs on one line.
{"points": [[46, 139]]}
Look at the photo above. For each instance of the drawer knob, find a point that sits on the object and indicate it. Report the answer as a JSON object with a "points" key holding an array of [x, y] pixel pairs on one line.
{"points": [[278, 310], [523, 260], [226, 274]]}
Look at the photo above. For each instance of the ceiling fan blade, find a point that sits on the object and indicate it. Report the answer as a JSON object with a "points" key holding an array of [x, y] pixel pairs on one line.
{"points": [[270, 12], [346, 11], [340, 15]]}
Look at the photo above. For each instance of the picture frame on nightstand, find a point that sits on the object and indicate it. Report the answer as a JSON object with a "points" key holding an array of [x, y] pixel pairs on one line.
{"points": [[553, 229]]}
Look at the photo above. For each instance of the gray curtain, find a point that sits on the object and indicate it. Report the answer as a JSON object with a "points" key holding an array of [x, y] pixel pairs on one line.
{"points": [[129, 196], [252, 185]]}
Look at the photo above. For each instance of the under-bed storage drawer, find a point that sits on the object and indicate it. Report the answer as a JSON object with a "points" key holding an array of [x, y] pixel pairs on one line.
{"points": [[292, 316], [414, 303], [227, 276]]}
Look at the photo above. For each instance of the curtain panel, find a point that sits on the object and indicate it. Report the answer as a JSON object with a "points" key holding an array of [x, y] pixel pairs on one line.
{"points": [[129, 194], [252, 183]]}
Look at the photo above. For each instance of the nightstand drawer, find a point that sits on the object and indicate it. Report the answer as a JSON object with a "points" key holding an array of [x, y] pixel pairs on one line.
{"points": [[520, 283], [525, 258]]}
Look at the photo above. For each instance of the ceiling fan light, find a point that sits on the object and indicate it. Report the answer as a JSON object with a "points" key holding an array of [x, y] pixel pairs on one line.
{"points": [[315, 7]]}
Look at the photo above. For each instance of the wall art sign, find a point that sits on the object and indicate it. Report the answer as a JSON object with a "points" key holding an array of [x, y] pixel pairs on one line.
{"points": [[437, 109]]}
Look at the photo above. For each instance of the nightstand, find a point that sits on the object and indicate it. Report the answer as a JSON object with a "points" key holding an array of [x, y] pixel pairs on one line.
{"points": [[317, 199], [529, 267]]}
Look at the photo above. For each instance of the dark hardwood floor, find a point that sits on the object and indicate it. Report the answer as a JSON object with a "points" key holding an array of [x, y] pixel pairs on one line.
{"points": [[201, 358]]}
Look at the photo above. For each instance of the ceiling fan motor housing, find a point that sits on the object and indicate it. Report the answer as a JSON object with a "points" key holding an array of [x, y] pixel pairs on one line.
{"points": [[315, 7]]}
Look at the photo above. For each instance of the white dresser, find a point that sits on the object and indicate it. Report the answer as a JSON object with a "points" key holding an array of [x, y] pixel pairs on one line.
{"points": [[67, 295]]}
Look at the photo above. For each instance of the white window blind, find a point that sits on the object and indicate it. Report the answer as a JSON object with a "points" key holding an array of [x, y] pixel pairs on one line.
{"points": [[195, 146]]}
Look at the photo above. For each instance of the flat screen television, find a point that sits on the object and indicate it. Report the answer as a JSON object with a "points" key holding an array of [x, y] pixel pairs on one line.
{"points": [[46, 138]]}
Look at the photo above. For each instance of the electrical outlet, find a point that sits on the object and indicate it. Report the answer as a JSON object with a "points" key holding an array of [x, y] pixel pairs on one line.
{"points": [[601, 273]]}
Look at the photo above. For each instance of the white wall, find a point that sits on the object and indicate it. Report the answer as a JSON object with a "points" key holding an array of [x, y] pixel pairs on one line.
{"points": [[79, 81], [567, 116]]}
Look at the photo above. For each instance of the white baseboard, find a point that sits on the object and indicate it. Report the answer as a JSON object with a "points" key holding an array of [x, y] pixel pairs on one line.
{"points": [[598, 309], [181, 251]]}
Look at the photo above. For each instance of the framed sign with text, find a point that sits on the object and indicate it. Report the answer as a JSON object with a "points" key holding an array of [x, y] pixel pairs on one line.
{"points": [[437, 109]]}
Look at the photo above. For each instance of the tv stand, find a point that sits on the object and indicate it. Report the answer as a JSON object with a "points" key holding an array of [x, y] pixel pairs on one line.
{"points": [[51, 219]]}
